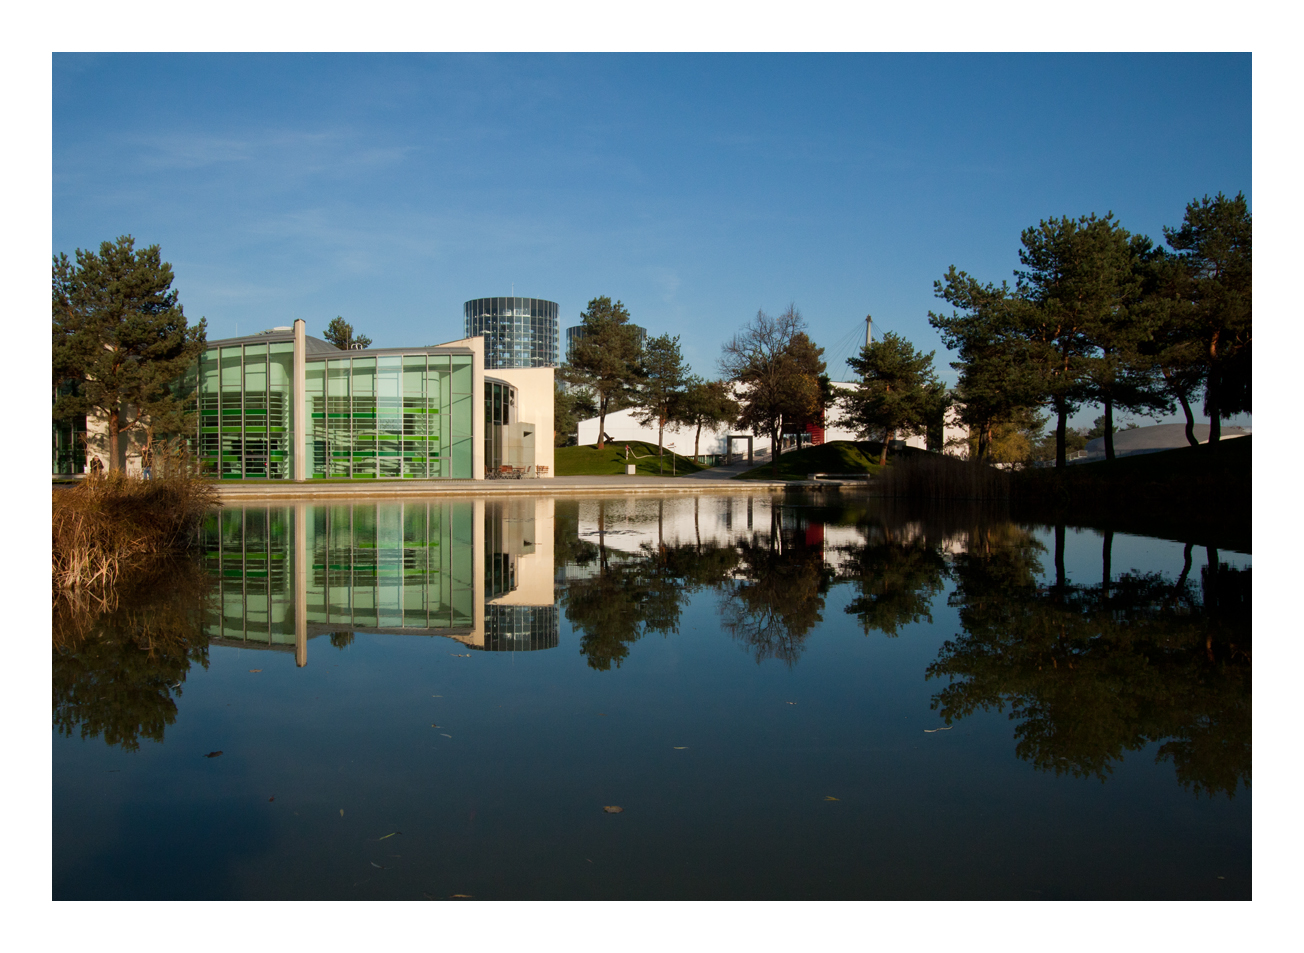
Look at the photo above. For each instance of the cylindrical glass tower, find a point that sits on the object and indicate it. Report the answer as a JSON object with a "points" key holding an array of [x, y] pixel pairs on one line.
{"points": [[518, 332]]}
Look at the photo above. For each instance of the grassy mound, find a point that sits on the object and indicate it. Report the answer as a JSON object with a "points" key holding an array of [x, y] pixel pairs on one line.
{"points": [[837, 456], [1201, 494], [1221, 469], [610, 460]]}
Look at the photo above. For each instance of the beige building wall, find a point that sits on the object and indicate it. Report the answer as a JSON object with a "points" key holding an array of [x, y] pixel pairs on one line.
{"points": [[530, 530], [534, 405], [130, 444]]}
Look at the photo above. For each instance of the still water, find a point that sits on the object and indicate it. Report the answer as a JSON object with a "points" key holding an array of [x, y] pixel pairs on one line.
{"points": [[784, 698]]}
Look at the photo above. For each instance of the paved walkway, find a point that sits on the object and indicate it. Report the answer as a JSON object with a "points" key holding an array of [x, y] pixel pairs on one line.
{"points": [[715, 480]]}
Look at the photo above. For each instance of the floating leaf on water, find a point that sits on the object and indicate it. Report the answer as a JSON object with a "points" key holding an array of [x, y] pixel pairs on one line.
{"points": [[376, 865], [212, 754], [681, 747], [341, 812], [612, 809], [255, 670], [389, 835], [446, 735], [929, 731], [271, 799], [792, 703], [828, 798], [462, 896]]}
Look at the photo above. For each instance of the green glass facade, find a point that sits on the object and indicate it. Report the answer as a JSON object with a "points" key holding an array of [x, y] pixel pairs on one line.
{"points": [[368, 415], [246, 420], [393, 568], [390, 416]]}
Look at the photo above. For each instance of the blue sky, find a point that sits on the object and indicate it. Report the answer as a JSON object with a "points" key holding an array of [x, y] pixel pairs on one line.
{"points": [[697, 189]]}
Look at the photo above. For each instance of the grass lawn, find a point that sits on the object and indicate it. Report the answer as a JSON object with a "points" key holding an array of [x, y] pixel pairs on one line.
{"points": [[838, 456], [610, 460]]}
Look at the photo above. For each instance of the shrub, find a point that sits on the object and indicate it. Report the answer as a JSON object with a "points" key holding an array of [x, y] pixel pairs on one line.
{"points": [[936, 476], [112, 524]]}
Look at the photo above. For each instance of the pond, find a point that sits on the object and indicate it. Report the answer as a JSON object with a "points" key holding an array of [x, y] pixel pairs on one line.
{"points": [[691, 697]]}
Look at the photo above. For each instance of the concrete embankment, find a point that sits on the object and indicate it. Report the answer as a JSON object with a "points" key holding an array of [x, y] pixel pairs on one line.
{"points": [[556, 486]]}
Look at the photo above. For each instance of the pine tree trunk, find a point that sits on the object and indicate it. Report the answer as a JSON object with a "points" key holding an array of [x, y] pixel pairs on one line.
{"points": [[661, 431], [697, 444], [1106, 560], [1214, 400], [1190, 420], [602, 422], [1061, 434], [1109, 428], [1061, 578], [113, 440]]}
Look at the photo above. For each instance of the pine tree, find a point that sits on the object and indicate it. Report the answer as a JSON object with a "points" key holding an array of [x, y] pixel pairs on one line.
{"points": [[663, 386], [706, 403], [340, 333], [607, 359], [119, 333], [896, 392], [1212, 294], [996, 384]]}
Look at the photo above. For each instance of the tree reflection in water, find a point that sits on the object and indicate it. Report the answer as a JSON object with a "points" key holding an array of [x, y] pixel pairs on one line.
{"points": [[627, 595], [1087, 672], [118, 667], [1092, 672], [775, 595]]}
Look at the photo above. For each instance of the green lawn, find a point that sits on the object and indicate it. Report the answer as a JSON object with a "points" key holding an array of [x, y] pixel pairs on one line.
{"points": [[838, 456], [610, 460]]}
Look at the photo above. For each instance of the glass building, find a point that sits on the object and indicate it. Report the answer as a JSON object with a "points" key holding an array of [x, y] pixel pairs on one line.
{"points": [[367, 414], [518, 332]]}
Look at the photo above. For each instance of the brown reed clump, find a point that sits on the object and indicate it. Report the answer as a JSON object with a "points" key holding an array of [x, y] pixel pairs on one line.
{"points": [[110, 525], [936, 476]]}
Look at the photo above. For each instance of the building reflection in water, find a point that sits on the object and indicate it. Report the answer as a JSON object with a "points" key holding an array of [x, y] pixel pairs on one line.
{"points": [[478, 571]]}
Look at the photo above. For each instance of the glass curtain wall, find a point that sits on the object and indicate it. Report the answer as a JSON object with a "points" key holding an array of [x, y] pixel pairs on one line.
{"points": [[518, 332], [246, 424], [395, 416], [249, 552], [369, 567], [499, 410]]}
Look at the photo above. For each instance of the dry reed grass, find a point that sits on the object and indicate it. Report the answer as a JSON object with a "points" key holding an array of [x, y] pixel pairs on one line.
{"points": [[936, 476], [110, 525]]}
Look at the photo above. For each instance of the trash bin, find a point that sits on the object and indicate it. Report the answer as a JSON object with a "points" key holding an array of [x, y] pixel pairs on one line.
{"points": [[629, 469]]}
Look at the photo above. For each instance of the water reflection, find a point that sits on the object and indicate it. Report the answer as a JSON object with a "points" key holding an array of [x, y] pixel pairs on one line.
{"points": [[1088, 670], [119, 668], [478, 571]]}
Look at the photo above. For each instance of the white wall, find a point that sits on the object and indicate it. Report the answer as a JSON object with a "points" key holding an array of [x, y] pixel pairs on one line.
{"points": [[534, 404], [622, 426]]}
